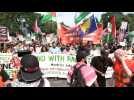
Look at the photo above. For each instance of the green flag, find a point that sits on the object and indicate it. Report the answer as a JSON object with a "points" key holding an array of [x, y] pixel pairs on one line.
{"points": [[81, 16], [99, 20], [48, 16]]}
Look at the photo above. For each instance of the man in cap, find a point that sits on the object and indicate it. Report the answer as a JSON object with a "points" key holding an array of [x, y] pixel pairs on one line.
{"points": [[30, 74]]}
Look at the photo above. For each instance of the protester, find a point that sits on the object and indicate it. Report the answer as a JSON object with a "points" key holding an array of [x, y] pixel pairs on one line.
{"points": [[44, 49], [66, 50], [101, 62], [82, 47], [30, 74], [1, 82], [54, 49], [8, 50], [62, 48], [128, 68], [15, 61], [90, 44], [92, 50], [86, 76], [26, 47], [37, 48], [123, 68], [4, 77], [32, 49], [14, 75], [72, 50]]}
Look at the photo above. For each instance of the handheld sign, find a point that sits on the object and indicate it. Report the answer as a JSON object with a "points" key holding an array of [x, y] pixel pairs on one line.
{"points": [[109, 72]]}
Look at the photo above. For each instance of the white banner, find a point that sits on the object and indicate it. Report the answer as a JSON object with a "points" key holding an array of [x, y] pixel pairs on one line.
{"points": [[52, 65], [55, 65]]}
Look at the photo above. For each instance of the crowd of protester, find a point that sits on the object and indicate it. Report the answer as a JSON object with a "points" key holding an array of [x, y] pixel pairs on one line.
{"points": [[118, 56]]}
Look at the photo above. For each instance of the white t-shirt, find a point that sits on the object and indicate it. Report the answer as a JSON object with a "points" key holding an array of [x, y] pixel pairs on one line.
{"points": [[55, 50]]}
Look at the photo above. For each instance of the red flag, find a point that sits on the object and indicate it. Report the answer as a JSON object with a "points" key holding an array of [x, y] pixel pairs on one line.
{"points": [[113, 22], [63, 37], [35, 27]]}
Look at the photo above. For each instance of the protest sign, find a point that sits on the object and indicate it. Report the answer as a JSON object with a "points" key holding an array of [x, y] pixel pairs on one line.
{"points": [[109, 72], [4, 34], [6, 65], [52, 65], [55, 65], [5, 58]]}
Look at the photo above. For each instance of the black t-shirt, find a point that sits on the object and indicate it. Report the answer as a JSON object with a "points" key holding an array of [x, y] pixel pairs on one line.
{"points": [[101, 64], [4, 75]]}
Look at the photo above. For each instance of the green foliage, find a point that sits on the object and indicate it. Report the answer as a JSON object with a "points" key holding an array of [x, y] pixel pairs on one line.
{"points": [[9, 19], [49, 27]]}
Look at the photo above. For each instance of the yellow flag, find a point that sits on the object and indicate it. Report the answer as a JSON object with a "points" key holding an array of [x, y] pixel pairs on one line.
{"points": [[85, 25]]}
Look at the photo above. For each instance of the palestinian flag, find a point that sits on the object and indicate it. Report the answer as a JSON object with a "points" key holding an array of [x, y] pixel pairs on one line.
{"points": [[111, 30], [48, 16]]}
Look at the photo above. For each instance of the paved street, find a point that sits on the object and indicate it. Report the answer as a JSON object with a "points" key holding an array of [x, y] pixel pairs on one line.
{"points": [[58, 83], [63, 83]]}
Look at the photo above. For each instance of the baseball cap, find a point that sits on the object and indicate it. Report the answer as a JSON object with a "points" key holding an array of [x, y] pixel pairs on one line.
{"points": [[30, 70]]}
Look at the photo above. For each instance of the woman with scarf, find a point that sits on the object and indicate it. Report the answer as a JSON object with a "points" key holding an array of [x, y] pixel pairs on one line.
{"points": [[123, 68]]}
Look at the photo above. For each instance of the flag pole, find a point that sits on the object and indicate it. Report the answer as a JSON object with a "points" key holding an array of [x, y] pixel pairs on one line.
{"points": [[58, 25]]}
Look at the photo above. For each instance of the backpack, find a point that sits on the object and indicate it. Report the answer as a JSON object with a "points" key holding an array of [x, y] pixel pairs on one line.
{"points": [[77, 79]]}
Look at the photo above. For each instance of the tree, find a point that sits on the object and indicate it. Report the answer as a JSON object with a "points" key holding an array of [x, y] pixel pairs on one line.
{"points": [[49, 27], [9, 19]]}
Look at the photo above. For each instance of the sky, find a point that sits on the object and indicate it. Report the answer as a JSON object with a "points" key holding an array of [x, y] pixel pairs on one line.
{"points": [[68, 17]]}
